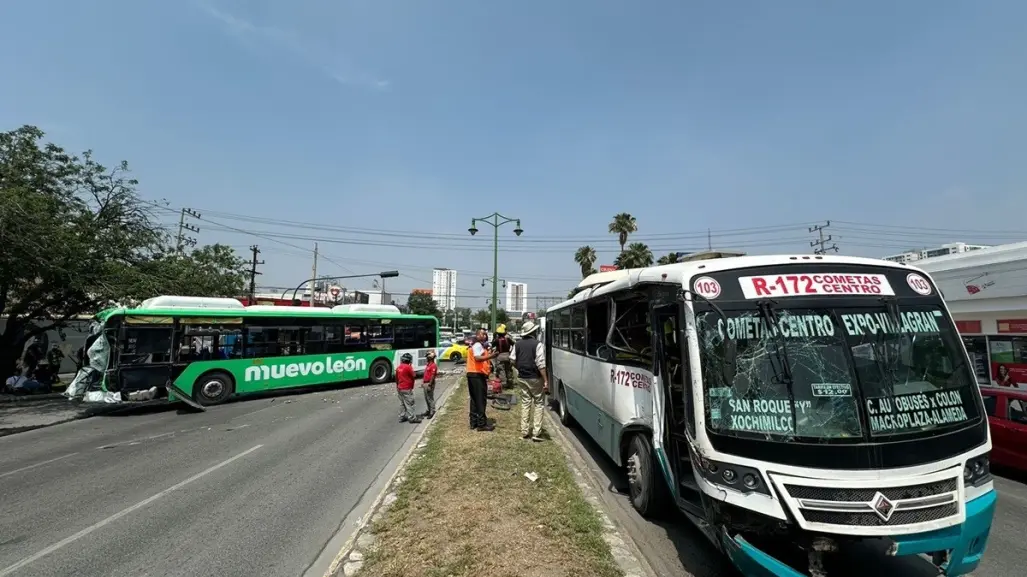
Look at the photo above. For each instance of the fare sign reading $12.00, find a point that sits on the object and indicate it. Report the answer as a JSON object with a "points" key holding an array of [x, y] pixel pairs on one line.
{"points": [[830, 284]]}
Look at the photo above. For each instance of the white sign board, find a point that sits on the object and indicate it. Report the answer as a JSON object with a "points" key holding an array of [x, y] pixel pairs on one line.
{"points": [[827, 284]]}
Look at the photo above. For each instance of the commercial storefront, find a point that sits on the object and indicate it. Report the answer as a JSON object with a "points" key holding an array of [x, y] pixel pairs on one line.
{"points": [[986, 291]]}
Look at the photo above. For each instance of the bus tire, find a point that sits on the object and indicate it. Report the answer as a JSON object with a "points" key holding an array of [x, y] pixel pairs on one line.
{"points": [[561, 406], [646, 487], [381, 371], [454, 356], [213, 388]]}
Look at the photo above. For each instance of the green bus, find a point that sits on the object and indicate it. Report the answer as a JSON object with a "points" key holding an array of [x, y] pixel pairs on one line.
{"points": [[205, 350]]}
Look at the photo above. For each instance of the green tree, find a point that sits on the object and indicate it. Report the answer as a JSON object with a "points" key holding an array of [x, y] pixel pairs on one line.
{"points": [[422, 304], [463, 315], [623, 225], [77, 238], [586, 258], [211, 271], [484, 317], [669, 258], [637, 255]]}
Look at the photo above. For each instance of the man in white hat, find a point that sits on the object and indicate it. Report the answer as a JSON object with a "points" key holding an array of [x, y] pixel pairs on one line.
{"points": [[529, 358]]}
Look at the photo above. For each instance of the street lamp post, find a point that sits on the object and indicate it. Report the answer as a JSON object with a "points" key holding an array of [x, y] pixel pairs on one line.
{"points": [[496, 220], [384, 274]]}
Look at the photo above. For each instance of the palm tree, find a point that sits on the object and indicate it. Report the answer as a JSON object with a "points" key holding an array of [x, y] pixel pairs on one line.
{"points": [[669, 258], [622, 225], [637, 255], [586, 257]]}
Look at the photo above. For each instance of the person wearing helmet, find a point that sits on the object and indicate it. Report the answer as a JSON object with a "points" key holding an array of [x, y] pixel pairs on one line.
{"points": [[502, 345], [405, 389], [428, 383]]}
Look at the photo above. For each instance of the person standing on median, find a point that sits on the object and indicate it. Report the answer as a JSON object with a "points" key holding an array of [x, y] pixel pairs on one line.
{"points": [[479, 367], [405, 389], [428, 383], [503, 344], [529, 358]]}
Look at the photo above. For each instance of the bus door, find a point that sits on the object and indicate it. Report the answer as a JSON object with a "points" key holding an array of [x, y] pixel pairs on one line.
{"points": [[671, 367], [143, 355]]}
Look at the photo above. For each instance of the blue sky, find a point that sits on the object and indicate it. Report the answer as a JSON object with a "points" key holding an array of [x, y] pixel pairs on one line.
{"points": [[902, 122]]}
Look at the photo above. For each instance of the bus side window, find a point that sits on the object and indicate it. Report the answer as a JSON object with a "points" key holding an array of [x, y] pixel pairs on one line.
{"points": [[577, 332], [354, 337], [333, 338], [314, 340], [380, 335], [632, 331], [144, 345], [289, 342], [564, 323], [597, 318]]}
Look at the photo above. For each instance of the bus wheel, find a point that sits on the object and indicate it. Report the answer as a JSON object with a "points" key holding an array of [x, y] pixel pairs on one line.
{"points": [[647, 489], [561, 405], [381, 370], [213, 388], [454, 356]]}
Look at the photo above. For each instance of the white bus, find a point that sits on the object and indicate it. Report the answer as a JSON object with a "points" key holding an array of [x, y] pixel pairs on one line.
{"points": [[797, 404]]}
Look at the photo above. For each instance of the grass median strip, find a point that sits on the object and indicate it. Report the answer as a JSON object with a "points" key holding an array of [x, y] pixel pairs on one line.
{"points": [[465, 508]]}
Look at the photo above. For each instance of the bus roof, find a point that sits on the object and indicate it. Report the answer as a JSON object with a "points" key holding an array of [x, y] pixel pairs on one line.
{"points": [[680, 274], [256, 311]]}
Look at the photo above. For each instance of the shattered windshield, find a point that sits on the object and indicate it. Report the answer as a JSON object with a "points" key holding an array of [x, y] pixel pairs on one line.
{"points": [[808, 372]]}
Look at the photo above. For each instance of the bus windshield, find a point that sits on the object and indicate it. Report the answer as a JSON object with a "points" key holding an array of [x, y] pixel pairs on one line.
{"points": [[836, 374]]}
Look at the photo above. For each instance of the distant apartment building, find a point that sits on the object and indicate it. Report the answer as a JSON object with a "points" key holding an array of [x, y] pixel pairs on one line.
{"points": [[516, 297], [945, 249], [443, 288]]}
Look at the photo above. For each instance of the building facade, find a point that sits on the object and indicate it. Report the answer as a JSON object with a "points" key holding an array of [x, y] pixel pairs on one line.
{"points": [[443, 288], [943, 250], [986, 290], [516, 297]]}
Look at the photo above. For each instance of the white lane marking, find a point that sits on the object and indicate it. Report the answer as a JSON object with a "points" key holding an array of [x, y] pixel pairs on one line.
{"points": [[40, 464], [135, 441], [68, 540]]}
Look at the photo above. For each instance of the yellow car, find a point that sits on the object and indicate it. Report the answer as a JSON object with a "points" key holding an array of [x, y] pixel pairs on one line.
{"points": [[453, 352]]}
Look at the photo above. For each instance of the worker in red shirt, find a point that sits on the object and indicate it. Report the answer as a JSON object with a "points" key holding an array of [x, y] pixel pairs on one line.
{"points": [[428, 382], [405, 388]]}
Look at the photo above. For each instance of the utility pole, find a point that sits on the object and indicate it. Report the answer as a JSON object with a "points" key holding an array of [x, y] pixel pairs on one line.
{"points": [[183, 227], [313, 274], [820, 246], [253, 273], [709, 239]]}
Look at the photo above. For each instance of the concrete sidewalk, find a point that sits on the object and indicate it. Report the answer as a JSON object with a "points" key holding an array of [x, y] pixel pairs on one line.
{"points": [[16, 417]]}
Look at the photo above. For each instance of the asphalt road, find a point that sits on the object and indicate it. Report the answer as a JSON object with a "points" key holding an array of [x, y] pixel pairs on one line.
{"points": [[255, 487], [674, 548]]}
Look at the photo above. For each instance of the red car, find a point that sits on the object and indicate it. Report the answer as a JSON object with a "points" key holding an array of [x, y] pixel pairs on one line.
{"points": [[1007, 415]]}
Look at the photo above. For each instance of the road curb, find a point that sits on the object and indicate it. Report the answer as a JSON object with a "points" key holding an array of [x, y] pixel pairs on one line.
{"points": [[625, 550], [27, 428], [338, 563]]}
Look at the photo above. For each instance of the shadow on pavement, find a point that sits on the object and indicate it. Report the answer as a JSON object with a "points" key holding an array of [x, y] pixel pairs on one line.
{"points": [[698, 557], [656, 538]]}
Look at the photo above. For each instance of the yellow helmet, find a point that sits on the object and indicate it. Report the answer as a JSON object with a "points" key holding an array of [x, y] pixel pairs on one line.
{"points": [[501, 329]]}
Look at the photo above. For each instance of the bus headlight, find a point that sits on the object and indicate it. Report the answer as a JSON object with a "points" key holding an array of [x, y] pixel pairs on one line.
{"points": [[737, 477], [977, 471]]}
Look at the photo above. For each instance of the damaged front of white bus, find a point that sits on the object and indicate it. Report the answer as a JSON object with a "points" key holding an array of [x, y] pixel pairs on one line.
{"points": [[836, 409]]}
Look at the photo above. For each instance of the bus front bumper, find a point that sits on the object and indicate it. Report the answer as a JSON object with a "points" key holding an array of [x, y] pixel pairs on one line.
{"points": [[965, 544]]}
